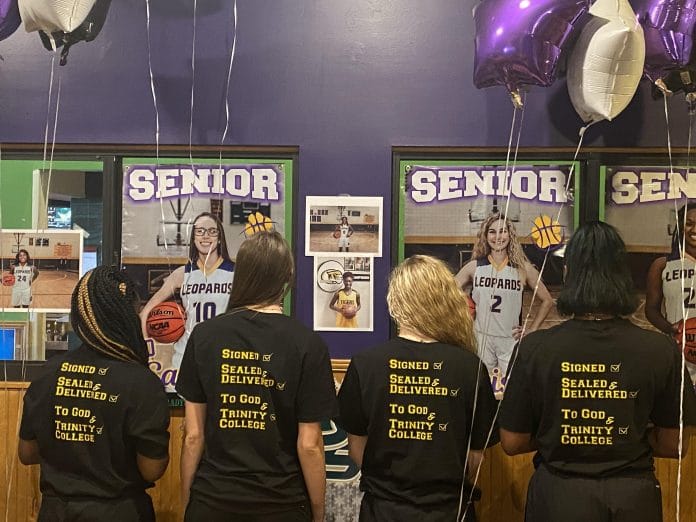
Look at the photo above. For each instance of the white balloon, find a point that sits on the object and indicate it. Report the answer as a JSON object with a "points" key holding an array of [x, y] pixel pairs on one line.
{"points": [[54, 15], [606, 63]]}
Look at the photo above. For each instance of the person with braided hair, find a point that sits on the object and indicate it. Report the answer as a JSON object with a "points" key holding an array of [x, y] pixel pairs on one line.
{"points": [[96, 420]]}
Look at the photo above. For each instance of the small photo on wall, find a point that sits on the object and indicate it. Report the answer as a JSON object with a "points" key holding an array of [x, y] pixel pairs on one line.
{"points": [[343, 293], [343, 225], [40, 269]]}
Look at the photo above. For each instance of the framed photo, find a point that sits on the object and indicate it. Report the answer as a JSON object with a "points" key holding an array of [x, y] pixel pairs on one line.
{"points": [[343, 225]]}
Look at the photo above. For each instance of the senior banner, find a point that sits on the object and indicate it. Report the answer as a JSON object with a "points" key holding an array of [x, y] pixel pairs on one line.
{"points": [[479, 215], [182, 225]]}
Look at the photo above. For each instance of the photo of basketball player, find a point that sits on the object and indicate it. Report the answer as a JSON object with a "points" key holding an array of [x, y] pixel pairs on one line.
{"points": [[204, 283], [343, 233], [24, 273], [670, 294], [496, 278], [346, 303]]}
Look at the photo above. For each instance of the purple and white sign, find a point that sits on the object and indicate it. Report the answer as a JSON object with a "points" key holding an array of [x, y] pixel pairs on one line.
{"points": [[541, 184], [145, 183]]}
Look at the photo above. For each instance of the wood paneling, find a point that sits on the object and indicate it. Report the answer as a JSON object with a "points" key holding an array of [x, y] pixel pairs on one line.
{"points": [[503, 480]]}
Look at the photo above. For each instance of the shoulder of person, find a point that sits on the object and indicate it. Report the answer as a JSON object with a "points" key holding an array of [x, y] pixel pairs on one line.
{"points": [[227, 264], [659, 263]]}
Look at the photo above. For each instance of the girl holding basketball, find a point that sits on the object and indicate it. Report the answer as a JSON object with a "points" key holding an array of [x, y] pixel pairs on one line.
{"points": [[25, 273], [496, 277], [343, 233], [204, 283], [257, 385], [346, 303], [670, 293]]}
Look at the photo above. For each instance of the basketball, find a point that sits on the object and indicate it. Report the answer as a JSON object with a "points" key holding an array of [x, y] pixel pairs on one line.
{"points": [[472, 306], [349, 311], [8, 279], [166, 322], [336, 234], [547, 233], [257, 222], [689, 339]]}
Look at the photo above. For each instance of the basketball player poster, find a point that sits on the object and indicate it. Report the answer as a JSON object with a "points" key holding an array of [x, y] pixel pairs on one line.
{"points": [[40, 269], [496, 230], [343, 293], [182, 227], [344, 225], [649, 206]]}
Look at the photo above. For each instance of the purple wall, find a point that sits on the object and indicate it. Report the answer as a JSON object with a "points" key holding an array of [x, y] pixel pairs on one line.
{"points": [[345, 81]]}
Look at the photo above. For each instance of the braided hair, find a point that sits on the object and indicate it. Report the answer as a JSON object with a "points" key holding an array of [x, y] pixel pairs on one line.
{"points": [[104, 315]]}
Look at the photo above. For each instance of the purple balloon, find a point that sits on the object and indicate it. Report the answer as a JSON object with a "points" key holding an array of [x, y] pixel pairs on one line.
{"points": [[518, 42], [9, 18], [668, 26]]}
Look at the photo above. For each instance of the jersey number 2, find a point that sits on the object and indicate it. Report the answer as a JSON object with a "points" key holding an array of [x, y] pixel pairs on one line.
{"points": [[689, 299], [495, 305]]}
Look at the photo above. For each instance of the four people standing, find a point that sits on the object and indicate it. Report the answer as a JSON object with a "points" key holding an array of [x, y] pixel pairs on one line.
{"points": [[419, 409]]}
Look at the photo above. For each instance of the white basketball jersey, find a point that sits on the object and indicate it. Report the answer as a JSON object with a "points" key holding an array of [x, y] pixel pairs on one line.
{"points": [[498, 298], [678, 288], [23, 276], [344, 231], [204, 296]]}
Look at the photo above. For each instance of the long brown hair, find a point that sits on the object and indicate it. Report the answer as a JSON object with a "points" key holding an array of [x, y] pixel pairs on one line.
{"points": [[263, 272], [222, 242], [424, 297], [482, 249]]}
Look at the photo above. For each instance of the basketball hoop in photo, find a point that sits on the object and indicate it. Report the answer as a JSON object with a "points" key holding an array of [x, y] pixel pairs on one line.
{"points": [[687, 335], [547, 233]]}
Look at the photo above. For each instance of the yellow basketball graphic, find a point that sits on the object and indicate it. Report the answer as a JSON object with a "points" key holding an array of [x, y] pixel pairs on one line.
{"points": [[257, 222], [547, 232]]}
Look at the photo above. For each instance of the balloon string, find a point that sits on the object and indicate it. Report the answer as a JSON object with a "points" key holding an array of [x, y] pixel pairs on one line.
{"points": [[193, 83], [233, 52], [524, 325], [486, 327]]}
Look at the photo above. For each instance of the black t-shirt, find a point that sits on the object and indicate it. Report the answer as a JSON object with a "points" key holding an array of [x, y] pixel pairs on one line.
{"points": [[260, 375], [90, 416], [415, 403], [587, 390]]}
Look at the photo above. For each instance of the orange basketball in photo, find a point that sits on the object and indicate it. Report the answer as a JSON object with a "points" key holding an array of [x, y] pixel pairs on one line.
{"points": [[8, 279], [349, 311], [687, 334], [336, 233], [472, 306], [166, 322]]}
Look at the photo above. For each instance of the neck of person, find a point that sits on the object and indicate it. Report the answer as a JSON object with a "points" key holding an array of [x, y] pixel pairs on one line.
{"points": [[208, 260], [267, 308], [413, 335]]}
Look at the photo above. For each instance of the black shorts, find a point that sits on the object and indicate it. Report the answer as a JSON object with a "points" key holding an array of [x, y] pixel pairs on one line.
{"points": [[137, 508], [373, 509], [197, 511], [630, 498]]}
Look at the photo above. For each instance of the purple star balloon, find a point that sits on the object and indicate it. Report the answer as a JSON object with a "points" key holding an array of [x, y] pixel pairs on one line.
{"points": [[668, 26], [518, 42], [9, 18]]}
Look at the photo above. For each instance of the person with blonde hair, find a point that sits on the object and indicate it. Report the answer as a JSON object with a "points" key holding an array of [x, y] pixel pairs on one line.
{"points": [[496, 277], [419, 407]]}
